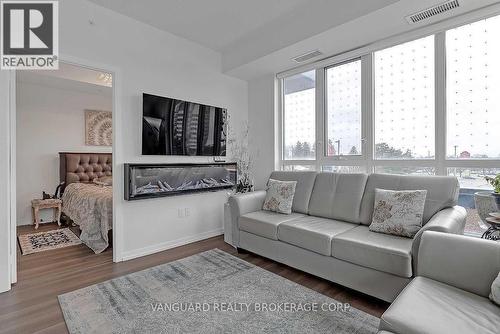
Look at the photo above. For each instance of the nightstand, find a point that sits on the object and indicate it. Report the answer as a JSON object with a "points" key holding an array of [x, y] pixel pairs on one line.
{"points": [[40, 204]]}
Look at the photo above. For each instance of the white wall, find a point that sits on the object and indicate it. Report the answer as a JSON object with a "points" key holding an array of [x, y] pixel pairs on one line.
{"points": [[152, 61], [262, 123], [4, 182], [50, 119], [146, 60]]}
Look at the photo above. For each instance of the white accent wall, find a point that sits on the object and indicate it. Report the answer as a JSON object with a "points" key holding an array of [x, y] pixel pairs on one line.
{"points": [[50, 119], [152, 61]]}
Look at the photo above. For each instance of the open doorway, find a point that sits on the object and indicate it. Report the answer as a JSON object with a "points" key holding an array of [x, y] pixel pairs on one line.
{"points": [[64, 193]]}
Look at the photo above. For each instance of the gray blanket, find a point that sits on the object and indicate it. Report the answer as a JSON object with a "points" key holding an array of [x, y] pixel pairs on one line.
{"points": [[90, 206]]}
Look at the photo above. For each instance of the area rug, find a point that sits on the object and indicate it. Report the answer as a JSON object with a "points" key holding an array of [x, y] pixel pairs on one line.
{"points": [[43, 241], [210, 292]]}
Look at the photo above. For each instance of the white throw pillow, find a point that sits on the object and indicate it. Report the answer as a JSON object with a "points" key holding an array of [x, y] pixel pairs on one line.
{"points": [[495, 291], [398, 212], [279, 196]]}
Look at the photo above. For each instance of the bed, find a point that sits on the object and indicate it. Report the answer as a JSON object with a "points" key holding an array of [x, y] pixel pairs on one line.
{"points": [[87, 204]]}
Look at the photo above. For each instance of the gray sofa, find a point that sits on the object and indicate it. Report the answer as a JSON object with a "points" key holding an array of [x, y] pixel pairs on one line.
{"points": [[450, 292], [327, 233]]}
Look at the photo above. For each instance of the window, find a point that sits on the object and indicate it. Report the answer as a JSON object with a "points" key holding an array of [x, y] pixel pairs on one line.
{"points": [[406, 170], [404, 101], [381, 112], [381, 106], [344, 169], [473, 178], [299, 168], [473, 86], [343, 91], [299, 116]]}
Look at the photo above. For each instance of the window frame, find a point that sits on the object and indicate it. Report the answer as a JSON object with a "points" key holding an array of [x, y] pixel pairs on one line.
{"points": [[367, 159]]}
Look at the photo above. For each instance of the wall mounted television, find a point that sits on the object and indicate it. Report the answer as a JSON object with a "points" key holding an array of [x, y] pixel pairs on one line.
{"points": [[177, 127]]}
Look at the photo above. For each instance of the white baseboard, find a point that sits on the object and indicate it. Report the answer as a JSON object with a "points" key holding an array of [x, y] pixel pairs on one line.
{"points": [[129, 255]]}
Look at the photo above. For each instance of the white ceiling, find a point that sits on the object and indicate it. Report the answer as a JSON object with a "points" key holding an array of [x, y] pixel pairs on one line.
{"points": [[218, 24], [256, 37], [69, 77], [387, 22]]}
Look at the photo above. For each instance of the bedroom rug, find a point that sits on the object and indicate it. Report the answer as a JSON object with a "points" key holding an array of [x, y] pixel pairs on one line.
{"points": [[43, 241], [210, 292]]}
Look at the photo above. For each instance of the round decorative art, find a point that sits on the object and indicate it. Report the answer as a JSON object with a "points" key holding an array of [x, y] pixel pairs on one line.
{"points": [[98, 128]]}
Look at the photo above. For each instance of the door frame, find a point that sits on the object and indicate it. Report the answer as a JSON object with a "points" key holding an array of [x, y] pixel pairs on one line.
{"points": [[116, 151]]}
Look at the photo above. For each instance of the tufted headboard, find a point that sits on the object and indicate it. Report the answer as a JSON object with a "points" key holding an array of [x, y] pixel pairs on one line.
{"points": [[83, 167]]}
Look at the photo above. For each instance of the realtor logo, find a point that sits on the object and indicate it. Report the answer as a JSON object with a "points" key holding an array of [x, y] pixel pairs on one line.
{"points": [[29, 33]]}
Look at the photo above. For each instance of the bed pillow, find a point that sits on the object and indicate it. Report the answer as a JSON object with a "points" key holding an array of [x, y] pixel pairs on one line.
{"points": [[495, 291], [398, 212], [279, 196], [104, 181]]}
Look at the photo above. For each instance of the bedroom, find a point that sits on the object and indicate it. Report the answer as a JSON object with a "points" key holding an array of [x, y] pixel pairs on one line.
{"points": [[64, 162]]}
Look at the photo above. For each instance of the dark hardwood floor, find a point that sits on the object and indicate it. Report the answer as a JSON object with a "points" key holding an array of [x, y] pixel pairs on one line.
{"points": [[31, 306]]}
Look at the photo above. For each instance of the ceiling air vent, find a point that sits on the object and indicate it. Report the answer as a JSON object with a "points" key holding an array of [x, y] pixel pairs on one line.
{"points": [[430, 12], [307, 56]]}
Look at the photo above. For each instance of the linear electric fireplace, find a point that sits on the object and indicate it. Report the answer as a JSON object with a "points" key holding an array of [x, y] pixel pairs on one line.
{"points": [[158, 180]]}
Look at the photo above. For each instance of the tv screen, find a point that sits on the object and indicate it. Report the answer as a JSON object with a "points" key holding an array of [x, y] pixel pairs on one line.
{"points": [[176, 127]]}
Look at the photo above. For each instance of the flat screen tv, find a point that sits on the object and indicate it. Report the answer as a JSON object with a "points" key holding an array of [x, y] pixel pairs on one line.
{"points": [[176, 127]]}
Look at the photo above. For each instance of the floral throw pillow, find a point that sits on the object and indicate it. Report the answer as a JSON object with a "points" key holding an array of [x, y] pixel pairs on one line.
{"points": [[398, 212], [279, 196]]}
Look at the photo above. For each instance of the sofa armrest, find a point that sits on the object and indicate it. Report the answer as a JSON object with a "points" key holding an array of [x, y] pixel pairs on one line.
{"points": [[449, 220], [466, 263], [241, 204]]}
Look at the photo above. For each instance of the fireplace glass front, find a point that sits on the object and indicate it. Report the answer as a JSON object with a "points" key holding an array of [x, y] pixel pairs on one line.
{"points": [[145, 181]]}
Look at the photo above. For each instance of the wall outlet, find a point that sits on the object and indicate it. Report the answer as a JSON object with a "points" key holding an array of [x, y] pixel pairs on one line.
{"points": [[183, 212]]}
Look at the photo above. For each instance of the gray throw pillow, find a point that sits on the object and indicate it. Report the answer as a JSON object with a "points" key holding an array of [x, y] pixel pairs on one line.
{"points": [[279, 196], [495, 291], [398, 212]]}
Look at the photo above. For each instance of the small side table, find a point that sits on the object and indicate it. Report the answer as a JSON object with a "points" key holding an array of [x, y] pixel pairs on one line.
{"points": [[493, 232], [40, 204]]}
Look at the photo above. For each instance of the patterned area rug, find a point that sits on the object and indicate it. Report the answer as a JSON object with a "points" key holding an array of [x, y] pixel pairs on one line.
{"points": [[43, 241], [210, 292]]}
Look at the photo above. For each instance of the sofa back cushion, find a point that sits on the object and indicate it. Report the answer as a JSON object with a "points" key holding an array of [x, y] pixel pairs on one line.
{"points": [[305, 183], [442, 192], [338, 196]]}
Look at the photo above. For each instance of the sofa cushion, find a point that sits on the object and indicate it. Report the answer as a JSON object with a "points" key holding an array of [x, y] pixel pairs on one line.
{"points": [[387, 253], [312, 233], [264, 223], [305, 183], [338, 196], [428, 306], [442, 192]]}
